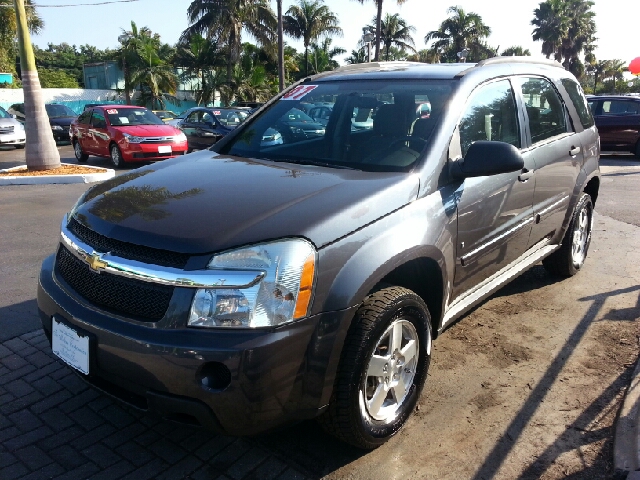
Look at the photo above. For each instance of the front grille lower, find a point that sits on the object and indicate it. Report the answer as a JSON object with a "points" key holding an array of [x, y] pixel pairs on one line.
{"points": [[8, 129], [156, 155], [131, 251], [142, 300]]}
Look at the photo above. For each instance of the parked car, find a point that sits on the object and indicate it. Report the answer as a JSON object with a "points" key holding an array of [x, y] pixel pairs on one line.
{"points": [[11, 130], [618, 121], [125, 134], [177, 119], [165, 115], [254, 285], [60, 118], [204, 126]]}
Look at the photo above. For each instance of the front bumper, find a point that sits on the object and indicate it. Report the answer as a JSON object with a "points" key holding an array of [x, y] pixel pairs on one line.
{"points": [[275, 376], [148, 152], [61, 135], [17, 138]]}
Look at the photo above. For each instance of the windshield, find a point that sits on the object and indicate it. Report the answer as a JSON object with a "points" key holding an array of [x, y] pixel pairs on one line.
{"points": [[230, 117], [377, 125], [132, 116], [4, 113], [58, 111]]}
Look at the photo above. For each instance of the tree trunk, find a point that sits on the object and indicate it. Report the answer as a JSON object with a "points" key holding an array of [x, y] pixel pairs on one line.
{"points": [[40, 151], [306, 61], [127, 82], [280, 48], [378, 26]]}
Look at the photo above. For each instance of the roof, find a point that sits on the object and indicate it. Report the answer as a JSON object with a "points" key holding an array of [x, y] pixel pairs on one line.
{"points": [[417, 70]]}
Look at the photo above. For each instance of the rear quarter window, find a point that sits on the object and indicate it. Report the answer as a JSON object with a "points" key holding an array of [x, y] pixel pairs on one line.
{"points": [[579, 102]]}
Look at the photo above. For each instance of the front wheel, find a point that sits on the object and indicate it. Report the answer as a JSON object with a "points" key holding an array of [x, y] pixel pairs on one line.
{"points": [[570, 257], [382, 370], [81, 157], [116, 156]]}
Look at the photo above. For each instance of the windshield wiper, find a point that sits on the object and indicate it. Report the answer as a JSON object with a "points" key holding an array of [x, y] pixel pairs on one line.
{"points": [[307, 161]]}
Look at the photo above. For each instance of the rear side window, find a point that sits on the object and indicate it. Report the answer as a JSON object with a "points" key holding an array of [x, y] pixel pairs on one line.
{"points": [[620, 107], [490, 115], [579, 101], [544, 109], [97, 120]]}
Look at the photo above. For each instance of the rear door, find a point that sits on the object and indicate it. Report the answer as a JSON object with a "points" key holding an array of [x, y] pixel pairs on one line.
{"points": [[99, 134], [80, 130], [495, 212], [556, 149]]}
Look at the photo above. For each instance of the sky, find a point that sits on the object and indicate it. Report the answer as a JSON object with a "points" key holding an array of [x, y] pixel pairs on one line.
{"points": [[510, 22]]}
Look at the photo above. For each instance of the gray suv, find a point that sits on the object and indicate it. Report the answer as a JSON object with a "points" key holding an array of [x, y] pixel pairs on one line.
{"points": [[257, 284]]}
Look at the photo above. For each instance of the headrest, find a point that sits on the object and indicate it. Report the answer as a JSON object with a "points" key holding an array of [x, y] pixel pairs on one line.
{"points": [[423, 127], [389, 121]]}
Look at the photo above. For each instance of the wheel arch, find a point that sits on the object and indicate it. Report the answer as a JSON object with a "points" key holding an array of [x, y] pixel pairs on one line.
{"points": [[592, 188]]}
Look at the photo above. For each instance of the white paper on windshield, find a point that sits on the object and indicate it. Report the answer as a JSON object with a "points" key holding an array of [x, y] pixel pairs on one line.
{"points": [[299, 92], [123, 119], [138, 112]]}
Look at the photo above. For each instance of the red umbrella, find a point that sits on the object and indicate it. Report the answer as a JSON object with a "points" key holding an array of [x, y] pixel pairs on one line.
{"points": [[634, 66]]}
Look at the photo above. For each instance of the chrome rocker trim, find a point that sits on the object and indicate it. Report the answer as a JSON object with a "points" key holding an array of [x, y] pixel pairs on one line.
{"points": [[123, 267], [481, 291]]}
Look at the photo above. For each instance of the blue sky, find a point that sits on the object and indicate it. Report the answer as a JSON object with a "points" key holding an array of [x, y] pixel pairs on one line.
{"points": [[509, 20]]}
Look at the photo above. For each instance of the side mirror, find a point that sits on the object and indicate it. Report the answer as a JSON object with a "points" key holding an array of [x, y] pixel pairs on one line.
{"points": [[488, 158]]}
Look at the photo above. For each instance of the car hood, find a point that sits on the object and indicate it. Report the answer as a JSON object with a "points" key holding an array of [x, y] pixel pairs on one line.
{"points": [[148, 130], [65, 121], [205, 203], [9, 122]]}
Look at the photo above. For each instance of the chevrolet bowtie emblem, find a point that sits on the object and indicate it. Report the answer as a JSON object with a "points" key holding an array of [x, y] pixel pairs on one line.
{"points": [[95, 262]]}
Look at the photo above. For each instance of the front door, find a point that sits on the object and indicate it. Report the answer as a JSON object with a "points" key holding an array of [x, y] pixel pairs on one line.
{"points": [[495, 212]]}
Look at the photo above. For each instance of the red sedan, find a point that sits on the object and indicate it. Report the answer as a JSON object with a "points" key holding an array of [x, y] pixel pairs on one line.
{"points": [[125, 133]]}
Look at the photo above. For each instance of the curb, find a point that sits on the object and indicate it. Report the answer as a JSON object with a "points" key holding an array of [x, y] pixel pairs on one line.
{"points": [[626, 442], [102, 174]]}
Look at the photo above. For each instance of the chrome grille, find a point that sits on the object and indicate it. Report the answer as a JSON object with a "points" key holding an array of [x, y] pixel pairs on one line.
{"points": [[141, 300]]}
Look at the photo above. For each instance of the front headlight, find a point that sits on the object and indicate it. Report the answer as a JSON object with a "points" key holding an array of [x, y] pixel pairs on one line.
{"points": [[56, 127], [181, 137], [132, 138], [283, 294]]}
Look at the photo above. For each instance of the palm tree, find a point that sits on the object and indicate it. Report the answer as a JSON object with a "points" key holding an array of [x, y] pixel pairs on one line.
{"points": [[156, 78], [310, 20], [461, 30], [224, 20], [379, 24], [567, 29], [127, 55], [322, 56], [394, 31], [615, 71], [424, 56], [517, 51], [40, 151], [200, 59], [600, 70], [357, 56]]}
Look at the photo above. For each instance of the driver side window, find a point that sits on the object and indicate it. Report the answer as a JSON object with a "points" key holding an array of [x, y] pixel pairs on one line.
{"points": [[193, 117], [491, 115]]}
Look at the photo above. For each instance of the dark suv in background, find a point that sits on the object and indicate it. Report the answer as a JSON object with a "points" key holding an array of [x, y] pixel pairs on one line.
{"points": [[618, 121], [260, 283], [60, 118]]}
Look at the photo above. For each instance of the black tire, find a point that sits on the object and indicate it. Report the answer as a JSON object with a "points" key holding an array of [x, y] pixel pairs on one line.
{"points": [[570, 257], [20, 147], [116, 156], [351, 414], [637, 152], [81, 157]]}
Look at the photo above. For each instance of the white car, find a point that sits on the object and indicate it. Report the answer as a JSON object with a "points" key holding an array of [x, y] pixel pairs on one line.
{"points": [[11, 130]]}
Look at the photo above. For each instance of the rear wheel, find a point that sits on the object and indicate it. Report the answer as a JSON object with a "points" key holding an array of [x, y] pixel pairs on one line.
{"points": [[116, 156], [81, 157], [382, 370], [570, 257]]}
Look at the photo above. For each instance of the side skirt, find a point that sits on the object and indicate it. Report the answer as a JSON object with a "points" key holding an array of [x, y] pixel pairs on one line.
{"points": [[472, 297]]}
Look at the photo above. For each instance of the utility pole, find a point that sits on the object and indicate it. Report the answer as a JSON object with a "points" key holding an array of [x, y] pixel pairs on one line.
{"points": [[280, 47]]}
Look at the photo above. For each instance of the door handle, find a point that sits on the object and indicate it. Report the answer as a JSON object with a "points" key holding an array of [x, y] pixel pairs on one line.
{"points": [[574, 151], [525, 175]]}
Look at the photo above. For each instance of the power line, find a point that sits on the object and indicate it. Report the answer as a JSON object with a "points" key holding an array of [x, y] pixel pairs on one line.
{"points": [[76, 4]]}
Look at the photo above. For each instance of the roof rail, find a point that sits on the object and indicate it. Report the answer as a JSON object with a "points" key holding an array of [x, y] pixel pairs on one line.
{"points": [[515, 59]]}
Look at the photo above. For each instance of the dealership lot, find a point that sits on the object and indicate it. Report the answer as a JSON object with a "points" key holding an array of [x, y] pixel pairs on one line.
{"points": [[526, 385]]}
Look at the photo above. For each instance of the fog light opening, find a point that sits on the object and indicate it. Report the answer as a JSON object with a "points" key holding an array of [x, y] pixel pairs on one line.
{"points": [[214, 376]]}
